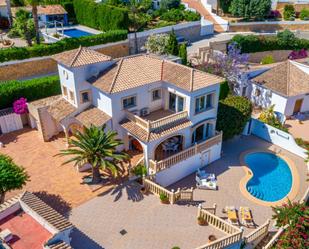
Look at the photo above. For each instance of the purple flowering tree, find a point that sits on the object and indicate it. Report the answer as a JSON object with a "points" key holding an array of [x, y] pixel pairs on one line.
{"points": [[227, 65], [20, 106]]}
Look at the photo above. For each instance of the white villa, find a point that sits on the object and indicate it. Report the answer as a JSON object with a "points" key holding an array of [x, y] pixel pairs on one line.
{"points": [[163, 110], [286, 85]]}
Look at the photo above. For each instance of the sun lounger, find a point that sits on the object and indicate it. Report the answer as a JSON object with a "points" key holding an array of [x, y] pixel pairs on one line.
{"points": [[246, 216], [232, 215]]}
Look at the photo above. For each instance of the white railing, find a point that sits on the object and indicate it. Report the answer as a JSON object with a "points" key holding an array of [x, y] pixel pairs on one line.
{"points": [[234, 233], [275, 237], [152, 125], [258, 233], [157, 166]]}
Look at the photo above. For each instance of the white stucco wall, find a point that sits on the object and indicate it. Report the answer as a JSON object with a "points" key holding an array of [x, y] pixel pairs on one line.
{"points": [[187, 167], [291, 104]]}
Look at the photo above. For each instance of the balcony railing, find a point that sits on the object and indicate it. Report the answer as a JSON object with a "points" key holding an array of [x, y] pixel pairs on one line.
{"points": [[156, 166], [153, 125]]}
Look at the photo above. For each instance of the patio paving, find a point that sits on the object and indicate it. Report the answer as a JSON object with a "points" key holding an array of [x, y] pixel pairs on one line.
{"points": [[147, 223], [298, 130], [59, 185], [229, 173]]}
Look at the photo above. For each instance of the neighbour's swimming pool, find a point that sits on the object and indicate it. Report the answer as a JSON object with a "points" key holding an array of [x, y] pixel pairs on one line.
{"points": [[272, 176], [76, 33]]}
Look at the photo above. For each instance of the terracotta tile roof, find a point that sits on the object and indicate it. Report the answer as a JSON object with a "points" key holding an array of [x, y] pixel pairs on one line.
{"points": [[139, 70], [145, 136], [80, 57], [45, 101], [92, 115], [59, 245], [285, 78], [55, 9], [9, 203], [60, 109], [51, 216]]}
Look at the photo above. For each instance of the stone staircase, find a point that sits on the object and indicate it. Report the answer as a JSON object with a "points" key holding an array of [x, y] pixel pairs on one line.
{"points": [[197, 5], [264, 241]]}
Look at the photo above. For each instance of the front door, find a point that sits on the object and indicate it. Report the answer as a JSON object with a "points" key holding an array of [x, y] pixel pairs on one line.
{"points": [[298, 104], [205, 158]]}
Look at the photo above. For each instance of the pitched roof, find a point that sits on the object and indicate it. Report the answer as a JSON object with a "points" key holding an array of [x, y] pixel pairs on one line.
{"points": [[51, 216], [145, 136], [60, 109], [59, 245], [55, 9], [45, 101], [285, 78], [139, 70], [92, 116], [80, 57]]}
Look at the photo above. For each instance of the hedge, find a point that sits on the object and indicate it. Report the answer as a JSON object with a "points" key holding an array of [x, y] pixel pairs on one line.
{"points": [[100, 16], [233, 114], [30, 89], [19, 53], [254, 43]]}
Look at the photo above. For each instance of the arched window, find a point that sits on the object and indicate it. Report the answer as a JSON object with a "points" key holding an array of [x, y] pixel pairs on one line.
{"points": [[201, 133]]}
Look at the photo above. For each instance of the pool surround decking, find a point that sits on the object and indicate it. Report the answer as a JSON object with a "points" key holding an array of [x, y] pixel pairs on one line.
{"points": [[249, 174]]}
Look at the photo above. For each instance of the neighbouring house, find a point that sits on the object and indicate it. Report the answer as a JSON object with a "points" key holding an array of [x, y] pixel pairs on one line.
{"points": [[298, 4], [163, 110], [285, 85], [28, 222]]}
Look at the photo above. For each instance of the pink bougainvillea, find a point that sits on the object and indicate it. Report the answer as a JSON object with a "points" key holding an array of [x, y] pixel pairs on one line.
{"points": [[20, 106], [294, 55]]}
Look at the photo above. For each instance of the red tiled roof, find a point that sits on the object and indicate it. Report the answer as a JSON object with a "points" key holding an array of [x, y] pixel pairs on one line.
{"points": [[56, 9]]}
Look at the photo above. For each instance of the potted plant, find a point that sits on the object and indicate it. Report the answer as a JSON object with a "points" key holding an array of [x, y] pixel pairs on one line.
{"points": [[164, 198], [201, 221], [211, 238]]}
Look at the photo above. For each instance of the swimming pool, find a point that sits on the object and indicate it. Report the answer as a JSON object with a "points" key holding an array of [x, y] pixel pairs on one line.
{"points": [[76, 33], [272, 177]]}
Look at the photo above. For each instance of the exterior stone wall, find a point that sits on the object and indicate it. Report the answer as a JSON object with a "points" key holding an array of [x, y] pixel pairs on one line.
{"points": [[270, 26], [298, 7], [190, 31], [43, 66], [278, 55]]}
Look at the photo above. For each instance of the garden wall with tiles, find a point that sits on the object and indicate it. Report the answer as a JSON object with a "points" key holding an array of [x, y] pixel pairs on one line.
{"points": [[36, 67]]}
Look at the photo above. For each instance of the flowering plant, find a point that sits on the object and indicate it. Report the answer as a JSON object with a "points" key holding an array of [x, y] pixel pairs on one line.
{"points": [[20, 106], [294, 55]]}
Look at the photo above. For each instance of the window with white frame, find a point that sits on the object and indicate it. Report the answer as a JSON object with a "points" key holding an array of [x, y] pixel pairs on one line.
{"points": [[129, 102], [84, 97], [156, 94], [203, 103]]}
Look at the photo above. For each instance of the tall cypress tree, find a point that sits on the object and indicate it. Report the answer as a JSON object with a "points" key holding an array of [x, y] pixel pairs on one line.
{"points": [[172, 46]]}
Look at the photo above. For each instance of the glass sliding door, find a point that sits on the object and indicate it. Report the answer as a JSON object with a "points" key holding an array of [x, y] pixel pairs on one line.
{"points": [[172, 102], [180, 104]]}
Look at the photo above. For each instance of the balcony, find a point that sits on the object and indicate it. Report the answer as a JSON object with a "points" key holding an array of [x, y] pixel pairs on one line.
{"points": [[157, 119], [156, 166]]}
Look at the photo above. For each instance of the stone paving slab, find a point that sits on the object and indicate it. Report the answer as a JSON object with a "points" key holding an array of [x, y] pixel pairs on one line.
{"points": [[148, 223]]}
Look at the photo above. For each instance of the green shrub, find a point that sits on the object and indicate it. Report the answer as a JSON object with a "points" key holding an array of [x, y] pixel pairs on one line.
{"points": [[100, 16], [285, 40], [140, 170], [19, 53], [289, 12], [233, 114], [183, 54], [268, 59], [304, 14], [224, 90], [268, 117], [302, 143], [172, 44], [30, 89]]}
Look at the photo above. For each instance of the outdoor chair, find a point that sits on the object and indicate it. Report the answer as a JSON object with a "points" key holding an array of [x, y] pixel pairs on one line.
{"points": [[232, 215], [246, 216]]}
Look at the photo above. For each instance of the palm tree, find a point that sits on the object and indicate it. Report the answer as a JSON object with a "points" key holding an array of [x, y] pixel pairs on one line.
{"points": [[96, 147], [9, 12], [34, 5]]}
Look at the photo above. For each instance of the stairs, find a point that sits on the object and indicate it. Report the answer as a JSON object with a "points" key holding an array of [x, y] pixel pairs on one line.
{"points": [[256, 193], [264, 241], [197, 5]]}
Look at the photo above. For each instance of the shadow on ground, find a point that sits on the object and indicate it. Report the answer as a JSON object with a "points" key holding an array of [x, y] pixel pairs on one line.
{"points": [[82, 241]]}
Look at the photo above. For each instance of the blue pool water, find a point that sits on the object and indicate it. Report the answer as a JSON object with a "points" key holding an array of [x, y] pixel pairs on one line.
{"points": [[76, 33], [272, 177]]}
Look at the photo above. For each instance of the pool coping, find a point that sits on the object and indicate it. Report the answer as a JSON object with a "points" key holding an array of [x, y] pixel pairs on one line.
{"points": [[243, 182]]}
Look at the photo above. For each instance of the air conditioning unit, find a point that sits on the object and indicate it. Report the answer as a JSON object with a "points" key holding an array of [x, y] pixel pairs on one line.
{"points": [[144, 111]]}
